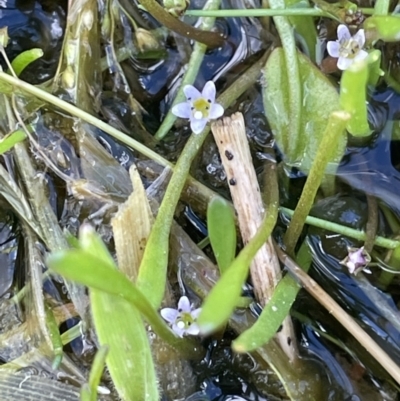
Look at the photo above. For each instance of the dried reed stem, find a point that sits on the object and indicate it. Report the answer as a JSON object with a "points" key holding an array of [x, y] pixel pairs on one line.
{"points": [[230, 136]]}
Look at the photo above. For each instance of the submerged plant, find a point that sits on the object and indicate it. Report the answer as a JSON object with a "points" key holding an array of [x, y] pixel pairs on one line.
{"points": [[347, 48], [199, 108], [183, 319]]}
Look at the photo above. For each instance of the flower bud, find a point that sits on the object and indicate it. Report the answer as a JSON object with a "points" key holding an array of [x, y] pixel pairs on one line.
{"points": [[145, 40]]}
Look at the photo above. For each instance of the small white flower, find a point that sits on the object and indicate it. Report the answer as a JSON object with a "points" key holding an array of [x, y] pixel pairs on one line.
{"points": [[183, 319], [347, 48], [199, 108], [356, 260]]}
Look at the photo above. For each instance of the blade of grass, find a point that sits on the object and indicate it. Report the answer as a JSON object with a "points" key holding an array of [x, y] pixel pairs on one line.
{"points": [[222, 232], [81, 266], [275, 311]]}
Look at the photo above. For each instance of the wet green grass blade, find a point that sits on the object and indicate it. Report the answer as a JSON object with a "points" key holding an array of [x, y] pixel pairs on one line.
{"points": [[275, 311], [81, 266], [117, 321], [119, 326], [10, 140], [222, 232], [223, 298], [89, 390], [24, 59]]}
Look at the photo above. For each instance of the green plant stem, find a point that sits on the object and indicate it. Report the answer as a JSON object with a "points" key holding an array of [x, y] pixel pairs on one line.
{"points": [[334, 130], [347, 231], [381, 7], [286, 35], [152, 275], [210, 39], [75, 111], [192, 70], [260, 12]]}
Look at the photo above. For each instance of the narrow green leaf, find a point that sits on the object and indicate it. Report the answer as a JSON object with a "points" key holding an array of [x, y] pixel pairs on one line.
{"points": [[55, 337], [119, 326], [92, 271], [10, 140], [89, 391], [320, 99], [353, 97], [271, 317], [275, 311], [222, 232], [223, 298], [24, 59]]}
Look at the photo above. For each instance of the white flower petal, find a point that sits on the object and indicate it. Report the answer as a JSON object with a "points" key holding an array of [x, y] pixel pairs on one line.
{"points": [[198, 125], [344, 63], [343, 32], [184, 304], [182, 110], [209, 91], [178, 331], [195, 314], [193, 329], [169, 314], [333, 48], [191, 93], [360, 37], [216, 111], [361, 55]]}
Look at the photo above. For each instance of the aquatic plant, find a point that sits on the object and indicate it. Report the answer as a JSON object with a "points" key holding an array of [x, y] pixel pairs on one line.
{"points": [[135, 259]]}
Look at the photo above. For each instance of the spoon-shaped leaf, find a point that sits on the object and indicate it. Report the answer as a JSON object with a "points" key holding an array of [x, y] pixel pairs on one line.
{"points": [[320, 99], [222, 232]]}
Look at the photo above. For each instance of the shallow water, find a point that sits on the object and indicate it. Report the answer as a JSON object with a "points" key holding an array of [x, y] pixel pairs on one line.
{"points": [[222, 375]]}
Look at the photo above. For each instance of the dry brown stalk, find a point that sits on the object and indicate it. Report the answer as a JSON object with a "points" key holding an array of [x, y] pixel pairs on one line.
{"points": [[230, 136]]}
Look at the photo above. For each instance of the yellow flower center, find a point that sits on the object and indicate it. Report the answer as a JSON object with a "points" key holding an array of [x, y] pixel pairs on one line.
{"points": [[201, 108], [184, 320], [348, 48]]}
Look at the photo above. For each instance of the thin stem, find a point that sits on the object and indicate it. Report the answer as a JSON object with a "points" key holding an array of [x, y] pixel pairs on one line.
{"points": [[75, 111], [372, 223], [210, 39], [193, 68], [347, 231], [334, 130], [284, 12]]}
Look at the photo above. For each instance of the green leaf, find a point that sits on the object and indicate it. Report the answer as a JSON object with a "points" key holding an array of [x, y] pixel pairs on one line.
{"points": [[225, 295], [117, 321], [25, 58], [320, 99], [275, 311], [89, 390], [10, 140], [92, 271], [305, 27], [386, 28], [353, 97], [222, 232], [119, 326]]}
